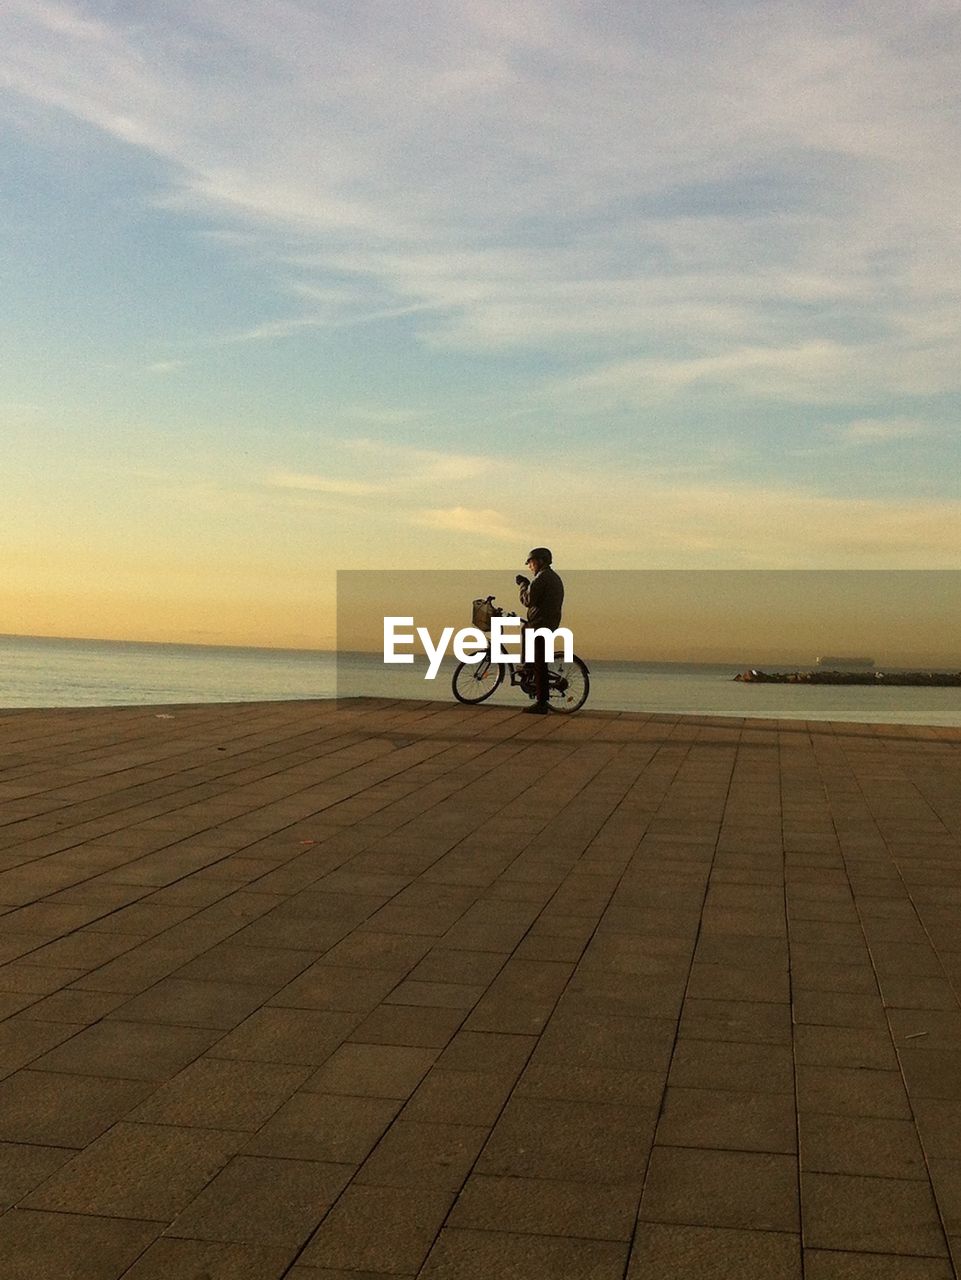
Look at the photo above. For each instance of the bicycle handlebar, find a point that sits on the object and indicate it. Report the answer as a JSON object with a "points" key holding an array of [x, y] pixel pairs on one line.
{"points": [[501, 613]]}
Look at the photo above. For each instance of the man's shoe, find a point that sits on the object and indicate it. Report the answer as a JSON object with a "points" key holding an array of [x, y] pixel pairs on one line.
{"points": [[537, 709]]}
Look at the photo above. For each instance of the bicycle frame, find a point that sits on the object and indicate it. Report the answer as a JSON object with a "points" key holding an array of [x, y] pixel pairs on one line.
{"points": [[476, 681]]}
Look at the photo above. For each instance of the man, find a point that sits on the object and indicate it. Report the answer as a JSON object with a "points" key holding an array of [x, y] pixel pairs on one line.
{"points": [[543, 597]]}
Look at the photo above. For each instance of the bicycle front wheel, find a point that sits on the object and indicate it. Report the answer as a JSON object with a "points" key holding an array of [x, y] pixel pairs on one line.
{"points": [[473, 682], [570, 683]]}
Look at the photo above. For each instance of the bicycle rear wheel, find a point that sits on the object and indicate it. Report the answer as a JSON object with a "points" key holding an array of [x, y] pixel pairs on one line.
{"points": [[475, 681], [570, 683]]}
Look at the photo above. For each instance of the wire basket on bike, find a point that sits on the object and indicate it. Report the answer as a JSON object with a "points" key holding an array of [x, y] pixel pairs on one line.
{"points": [[482, 612]]}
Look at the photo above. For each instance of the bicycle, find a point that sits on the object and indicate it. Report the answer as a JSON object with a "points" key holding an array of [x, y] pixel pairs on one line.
{"points": [[569, 683]]}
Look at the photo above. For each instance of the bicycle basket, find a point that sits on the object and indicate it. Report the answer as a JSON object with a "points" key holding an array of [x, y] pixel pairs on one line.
{"points": [[482, 613]]}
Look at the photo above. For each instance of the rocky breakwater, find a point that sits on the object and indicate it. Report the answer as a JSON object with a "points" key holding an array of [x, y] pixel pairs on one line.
{"points": [[916, 679]]}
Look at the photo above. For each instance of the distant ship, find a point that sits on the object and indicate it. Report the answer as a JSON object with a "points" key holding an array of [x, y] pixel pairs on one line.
{"points": [[833, 663]]}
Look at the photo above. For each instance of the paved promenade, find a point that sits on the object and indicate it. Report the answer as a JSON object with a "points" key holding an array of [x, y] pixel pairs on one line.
{"points": [[402, 989]]}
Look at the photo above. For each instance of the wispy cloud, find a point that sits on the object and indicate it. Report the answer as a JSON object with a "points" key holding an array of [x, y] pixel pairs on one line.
{"points": [[369, 468], [868, 431], [485, 523], [711, 219], [606, 183], [284, 480], [423, 466]]}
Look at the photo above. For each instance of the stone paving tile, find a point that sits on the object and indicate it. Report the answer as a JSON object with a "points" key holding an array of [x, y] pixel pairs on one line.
{"points": [[852, 1091], [63, 1110], [472, 967], [378, 1229], [372, 1070], [424, 1027], [82, 1008], [873, 1215], [12, 1002], [169, 1259], [939, 1126], [813, 975], [363, 939], [870, 1146], [919, 993], [734, 1121], [931, 1073], [392, 952], [728, 982], [128, 1050], [521, 997], [24, 1167], [460, 1097], [439, 995], [49, 917], [333, 1128], [926, 1028], [724, 1064], [712, 1253], [423, 1154], [144, 919], [256, 1200], [336, 988], [148, 1172], [220, 1005], [722, 1189], [946, 1181], [861, 1048], [214, 1093], [839, 1009], [486, 1051], [639, 1044], [299, 1272], [300, 1037], [228, 962], [138, 969], [465, 1255], [594, 995], [747, 1022], [769, 953], [38, 1246], [822, 1264], [572, 1140], [83, 950], [591, 1084], [24, 1039], [545, 1207]]}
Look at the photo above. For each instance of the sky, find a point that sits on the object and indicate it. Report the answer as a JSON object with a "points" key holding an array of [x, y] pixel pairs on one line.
{"points": [[292, 288], [749, 617]]}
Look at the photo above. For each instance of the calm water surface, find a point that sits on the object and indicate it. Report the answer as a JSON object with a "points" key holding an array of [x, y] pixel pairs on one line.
{"points": [[38, 672]]}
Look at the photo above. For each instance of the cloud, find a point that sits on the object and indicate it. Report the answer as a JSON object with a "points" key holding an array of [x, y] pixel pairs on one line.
{"points": [[598, 182], [807, 373], [867, 431], [414, 466], [284, 480], [377, 468], [485, 524], [642, 524], [648, 522]]}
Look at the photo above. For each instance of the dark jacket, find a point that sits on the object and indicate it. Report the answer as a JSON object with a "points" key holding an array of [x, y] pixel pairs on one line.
{"points": [[544, 599]]}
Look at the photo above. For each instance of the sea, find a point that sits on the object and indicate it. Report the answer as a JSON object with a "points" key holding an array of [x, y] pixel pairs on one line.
{"points": [[53, 672]]}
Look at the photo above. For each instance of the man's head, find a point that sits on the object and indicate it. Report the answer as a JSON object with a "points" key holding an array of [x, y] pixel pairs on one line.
{"points": [[539, 559]]}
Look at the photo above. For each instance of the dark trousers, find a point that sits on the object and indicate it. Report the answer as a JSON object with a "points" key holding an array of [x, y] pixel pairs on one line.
{"points": [[540, 670]]}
